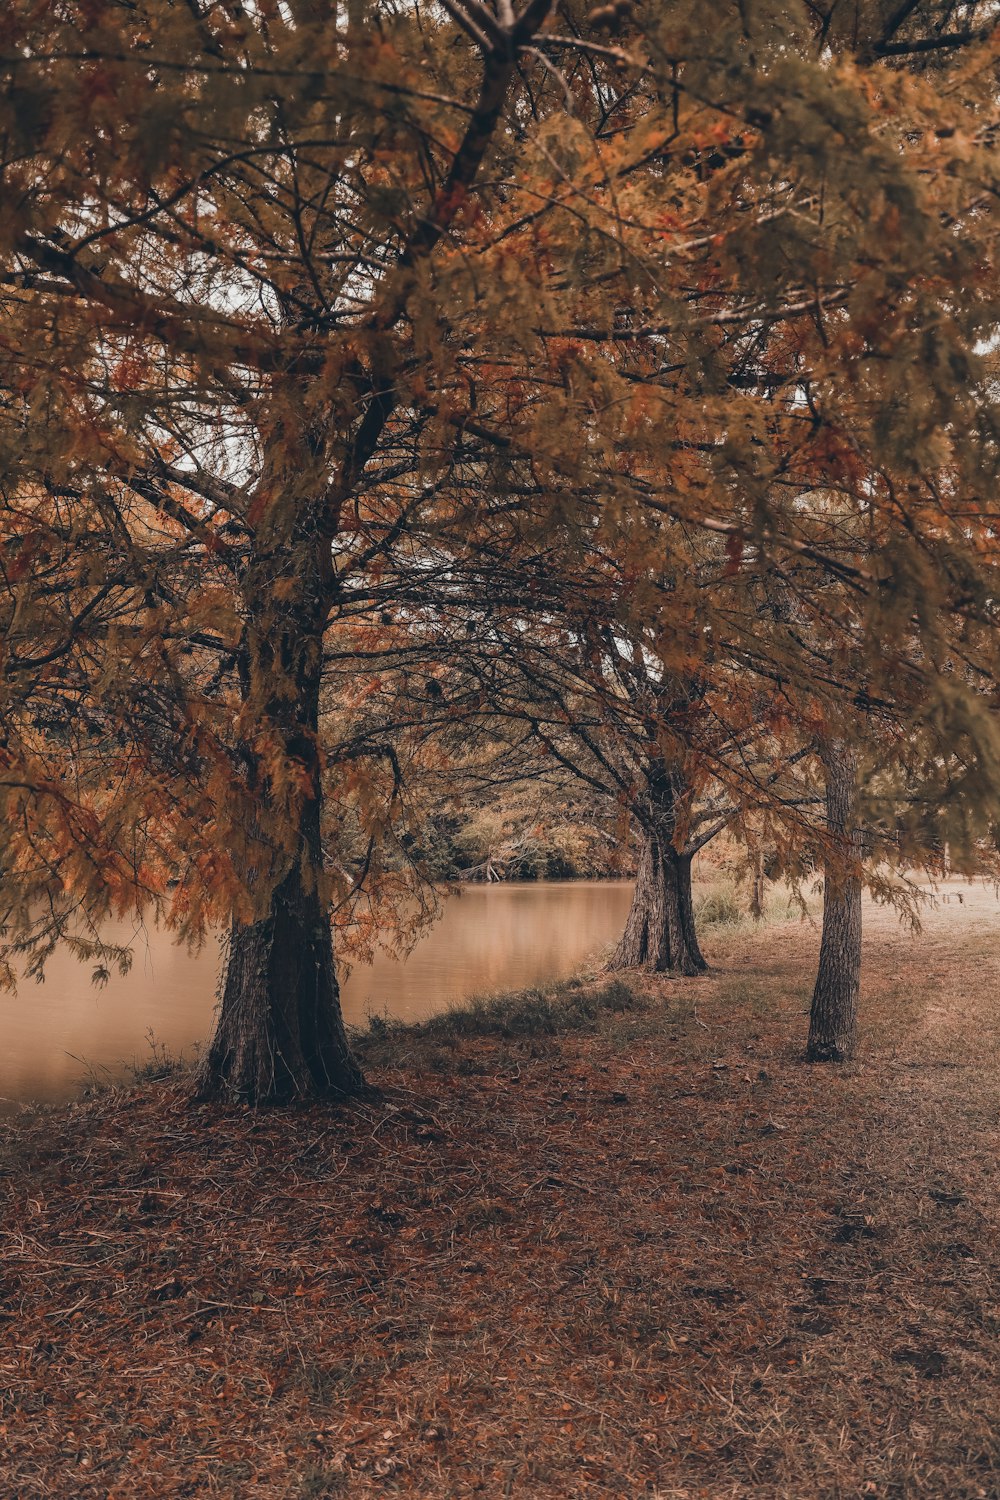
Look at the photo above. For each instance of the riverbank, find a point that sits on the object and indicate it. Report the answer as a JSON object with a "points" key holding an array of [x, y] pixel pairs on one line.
{"points": [[643, 1251], [59, 1036]]}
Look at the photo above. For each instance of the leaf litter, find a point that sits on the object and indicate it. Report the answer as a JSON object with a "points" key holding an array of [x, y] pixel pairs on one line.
{"points": [[590, 1263]]}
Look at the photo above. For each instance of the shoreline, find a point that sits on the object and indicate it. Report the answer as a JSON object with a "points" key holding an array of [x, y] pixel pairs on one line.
{"points": [[646, 1251]]}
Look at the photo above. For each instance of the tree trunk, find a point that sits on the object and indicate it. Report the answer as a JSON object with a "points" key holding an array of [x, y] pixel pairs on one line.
{"points": [[660, 932], [757, 888], [833, 1019], [280, 1034]]}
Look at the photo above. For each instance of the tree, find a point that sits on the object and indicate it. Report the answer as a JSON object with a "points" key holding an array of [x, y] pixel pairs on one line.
{"points": [[834, 1012], [302, 307], [226, 282], [684, 756]]}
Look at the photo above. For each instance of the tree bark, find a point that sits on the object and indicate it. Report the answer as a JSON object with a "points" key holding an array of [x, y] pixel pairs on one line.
{"points": [[833, 1019], [280, 1033], [660, 930], [757, 888]]}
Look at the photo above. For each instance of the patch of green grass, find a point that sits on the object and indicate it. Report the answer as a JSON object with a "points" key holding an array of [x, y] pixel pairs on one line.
{"points": [[724, 904], [159, 1065], [718, 906], [755, 996], [523, 1015]]}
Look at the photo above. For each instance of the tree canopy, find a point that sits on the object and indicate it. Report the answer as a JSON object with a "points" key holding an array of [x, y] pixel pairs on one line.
{"points": [[328, 327]]}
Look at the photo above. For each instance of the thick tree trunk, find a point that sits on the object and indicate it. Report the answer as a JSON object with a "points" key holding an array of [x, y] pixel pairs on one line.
{"points": [[280, 1034], [833, 1019], [660, 932]]}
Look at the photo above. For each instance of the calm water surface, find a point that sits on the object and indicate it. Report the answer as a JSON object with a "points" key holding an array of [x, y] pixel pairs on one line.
{"points": [[490, 938]]}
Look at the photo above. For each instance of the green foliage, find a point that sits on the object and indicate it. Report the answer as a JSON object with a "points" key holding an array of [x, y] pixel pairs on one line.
{"points": [[534, 1013], [718, 906]]}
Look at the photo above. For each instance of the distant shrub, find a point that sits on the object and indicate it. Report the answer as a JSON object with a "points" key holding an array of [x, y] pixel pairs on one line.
{"points": [[718, 906]]}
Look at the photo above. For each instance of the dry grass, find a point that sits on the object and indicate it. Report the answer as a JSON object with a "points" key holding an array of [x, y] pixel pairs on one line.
{"points": [[654, 1255]]}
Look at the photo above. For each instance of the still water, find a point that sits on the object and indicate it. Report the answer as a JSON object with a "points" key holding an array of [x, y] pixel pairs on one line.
{"points": [[498, 937]]}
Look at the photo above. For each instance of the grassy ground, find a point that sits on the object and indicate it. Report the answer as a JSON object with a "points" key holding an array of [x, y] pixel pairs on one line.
{"points": [[629, 1246]]}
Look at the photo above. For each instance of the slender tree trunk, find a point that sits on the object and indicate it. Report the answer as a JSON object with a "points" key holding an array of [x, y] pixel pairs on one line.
{"points": [[660, 932], [280, 1033], [833, 1019], [757, 888]]}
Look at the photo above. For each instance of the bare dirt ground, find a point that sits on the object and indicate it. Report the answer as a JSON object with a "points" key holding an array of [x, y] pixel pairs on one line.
{"points": [[658, 1256]]}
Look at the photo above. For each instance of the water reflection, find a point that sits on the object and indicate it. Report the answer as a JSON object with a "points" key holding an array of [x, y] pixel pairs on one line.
{"points": [[490, 938]]}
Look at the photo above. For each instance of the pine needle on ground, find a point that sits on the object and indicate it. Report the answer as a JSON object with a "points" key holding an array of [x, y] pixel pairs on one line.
{"points": [[651, 1253]]}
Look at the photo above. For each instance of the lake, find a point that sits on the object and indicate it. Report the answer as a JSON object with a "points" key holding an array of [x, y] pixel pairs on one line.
{"points": [[490, 937]]}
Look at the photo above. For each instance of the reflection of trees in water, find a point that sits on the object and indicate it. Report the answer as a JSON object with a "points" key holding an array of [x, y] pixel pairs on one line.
{"points": [[61, 1032], [493, 938]]}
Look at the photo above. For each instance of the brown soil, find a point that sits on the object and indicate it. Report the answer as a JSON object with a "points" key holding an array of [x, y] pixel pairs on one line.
{"points": [[664, 1258]]}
